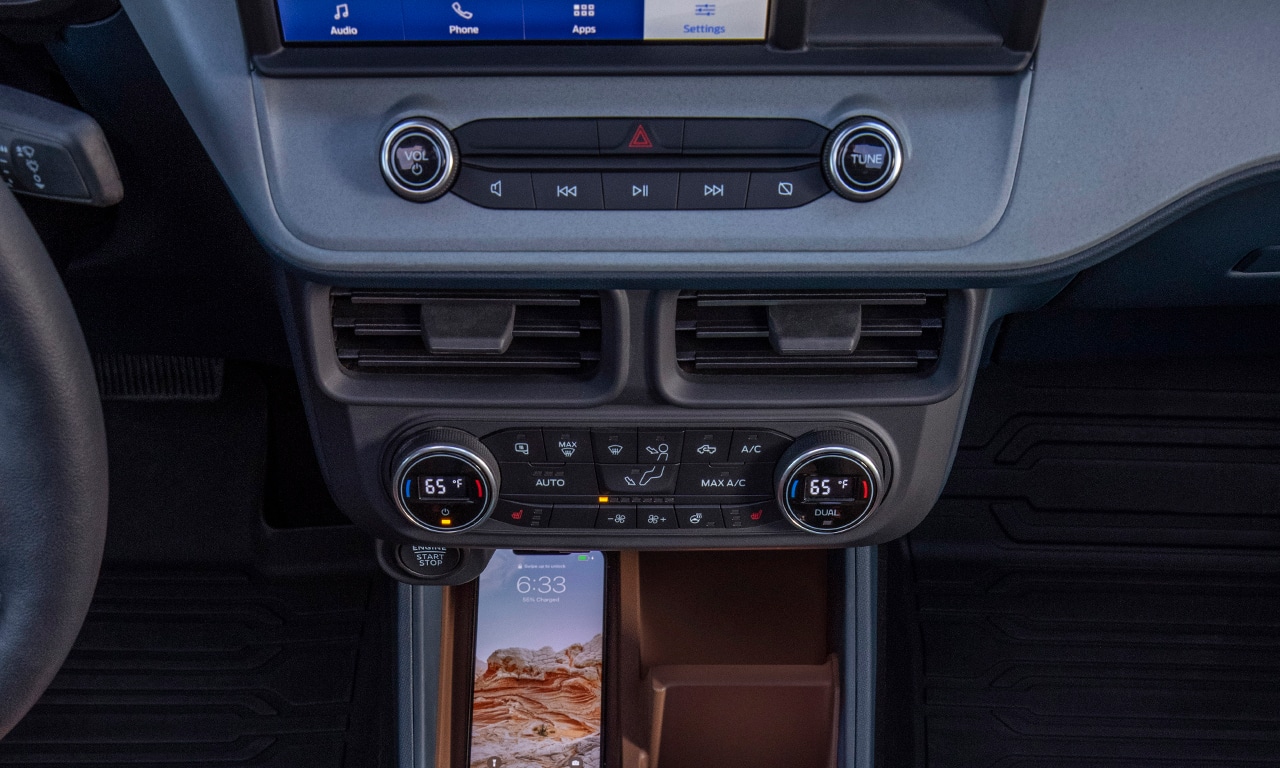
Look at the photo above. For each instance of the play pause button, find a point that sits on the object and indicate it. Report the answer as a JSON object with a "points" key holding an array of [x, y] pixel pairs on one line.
{"points": [[640, 191]]}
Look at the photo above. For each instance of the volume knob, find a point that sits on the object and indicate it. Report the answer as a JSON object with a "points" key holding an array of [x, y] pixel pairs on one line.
{"points": [[444, 480], [419, 160], [829, 481]]}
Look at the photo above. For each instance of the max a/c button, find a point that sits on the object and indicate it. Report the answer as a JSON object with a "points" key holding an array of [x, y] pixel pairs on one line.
{"points": [[508, 190]]}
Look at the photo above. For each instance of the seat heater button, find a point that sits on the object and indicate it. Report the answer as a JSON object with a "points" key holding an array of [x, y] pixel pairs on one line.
{"points": [[523, 514], [751, 515]]}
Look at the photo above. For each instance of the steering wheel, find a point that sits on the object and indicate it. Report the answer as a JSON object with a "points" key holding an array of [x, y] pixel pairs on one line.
{"points": [[53, 469]]}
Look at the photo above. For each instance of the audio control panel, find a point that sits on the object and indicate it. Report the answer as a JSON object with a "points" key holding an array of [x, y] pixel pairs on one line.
{"points": [[640, 163], [633, 481]]}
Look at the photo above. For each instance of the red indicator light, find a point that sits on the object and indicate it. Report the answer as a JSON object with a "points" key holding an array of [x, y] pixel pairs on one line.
{"points": [[866, 490], [517, 515], [479, 490], [641, 140], [759, 513]]}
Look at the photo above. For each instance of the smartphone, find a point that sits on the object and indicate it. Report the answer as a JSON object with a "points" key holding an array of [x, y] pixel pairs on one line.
{"points": [[537, 695]]}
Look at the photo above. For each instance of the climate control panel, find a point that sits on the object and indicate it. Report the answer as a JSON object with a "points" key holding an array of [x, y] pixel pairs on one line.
{"points": [[636, 480]]}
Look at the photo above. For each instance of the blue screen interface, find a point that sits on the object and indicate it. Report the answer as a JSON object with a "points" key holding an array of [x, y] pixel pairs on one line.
{"points": [[425, 21]]}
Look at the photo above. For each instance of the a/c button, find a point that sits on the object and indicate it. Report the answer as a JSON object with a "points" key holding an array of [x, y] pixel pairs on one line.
{"points": [[495, 189]]}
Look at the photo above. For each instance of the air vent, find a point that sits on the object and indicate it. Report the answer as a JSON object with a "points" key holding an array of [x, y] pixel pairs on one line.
{"points": [[553, 332], [746, 333]]}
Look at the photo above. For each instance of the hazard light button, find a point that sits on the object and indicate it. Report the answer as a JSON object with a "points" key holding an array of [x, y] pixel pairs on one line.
{"points": [[641, 137]]}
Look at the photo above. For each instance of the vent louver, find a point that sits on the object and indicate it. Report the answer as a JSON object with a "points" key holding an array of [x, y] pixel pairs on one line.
{"points": [[728, 332], [554, 332]]}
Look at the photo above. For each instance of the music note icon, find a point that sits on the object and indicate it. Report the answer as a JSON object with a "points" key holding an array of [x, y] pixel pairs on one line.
{"points": [[342, 12]]}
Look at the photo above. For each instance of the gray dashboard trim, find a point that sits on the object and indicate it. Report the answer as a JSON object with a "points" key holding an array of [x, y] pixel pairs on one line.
{"points": [[420, 616], [858, 698], [1123, 91]]}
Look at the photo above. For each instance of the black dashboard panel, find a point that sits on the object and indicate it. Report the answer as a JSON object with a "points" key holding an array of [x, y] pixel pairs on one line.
{"points": [[595, 463]]}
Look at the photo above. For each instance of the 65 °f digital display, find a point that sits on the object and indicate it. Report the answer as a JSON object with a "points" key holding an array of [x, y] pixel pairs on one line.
{"points": [[444, 487], [832, 488]]}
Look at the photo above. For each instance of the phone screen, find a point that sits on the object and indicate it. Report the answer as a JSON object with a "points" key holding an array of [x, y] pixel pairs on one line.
{"points": [[538, 687]]}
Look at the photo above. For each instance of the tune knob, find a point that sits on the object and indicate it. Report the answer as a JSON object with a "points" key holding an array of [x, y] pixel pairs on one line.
{"points": [[863, 159], [829, 481], [444, 480]]}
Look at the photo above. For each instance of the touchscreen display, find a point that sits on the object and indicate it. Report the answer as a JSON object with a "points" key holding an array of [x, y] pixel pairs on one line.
{"points": [[311, 21], [538, 683]]}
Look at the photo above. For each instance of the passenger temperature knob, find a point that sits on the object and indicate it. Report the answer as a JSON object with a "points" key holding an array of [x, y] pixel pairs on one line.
{"points": [[444, 480], [829, 480]]}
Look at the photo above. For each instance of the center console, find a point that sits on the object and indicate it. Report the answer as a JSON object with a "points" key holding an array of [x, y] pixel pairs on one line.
{"points": [[684, 283]]}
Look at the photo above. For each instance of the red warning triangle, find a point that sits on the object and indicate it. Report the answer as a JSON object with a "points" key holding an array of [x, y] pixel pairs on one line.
{"points": [[641, 140]]}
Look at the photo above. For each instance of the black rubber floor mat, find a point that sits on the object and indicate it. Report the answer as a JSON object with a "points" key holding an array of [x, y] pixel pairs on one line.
{"points": [[1100, 585], [216, 668]]}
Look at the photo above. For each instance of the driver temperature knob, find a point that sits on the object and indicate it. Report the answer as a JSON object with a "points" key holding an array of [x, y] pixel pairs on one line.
{"points": [[829, 481], [444, 480]]}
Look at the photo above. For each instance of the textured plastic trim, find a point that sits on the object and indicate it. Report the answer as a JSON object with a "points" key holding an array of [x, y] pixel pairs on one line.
{"points": [[312, 313], [961, 328]]}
